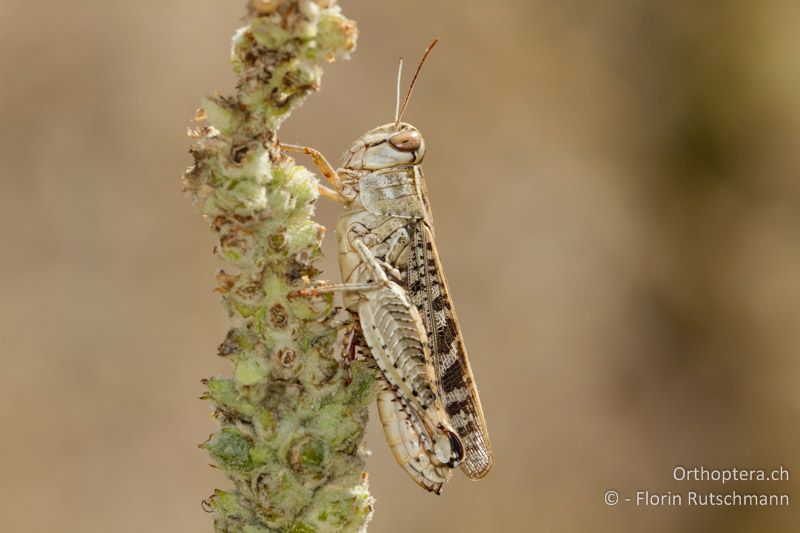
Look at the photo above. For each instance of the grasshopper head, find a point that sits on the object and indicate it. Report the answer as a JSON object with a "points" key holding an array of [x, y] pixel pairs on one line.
{"points": [[386, 146], [390, 145]]}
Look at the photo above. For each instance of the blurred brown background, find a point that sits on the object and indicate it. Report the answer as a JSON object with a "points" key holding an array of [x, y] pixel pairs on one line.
{"points": [[615, 187]]}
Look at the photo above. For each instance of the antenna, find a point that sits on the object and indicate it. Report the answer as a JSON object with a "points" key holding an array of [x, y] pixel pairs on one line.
{"points": [[413, 81], [397, 100]]}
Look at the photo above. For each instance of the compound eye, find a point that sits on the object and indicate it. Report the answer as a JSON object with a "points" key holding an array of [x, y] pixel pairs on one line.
{"points": [[406, 141]]}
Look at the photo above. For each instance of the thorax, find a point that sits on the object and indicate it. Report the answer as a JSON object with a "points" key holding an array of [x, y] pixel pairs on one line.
{"points": [[385, 203]]}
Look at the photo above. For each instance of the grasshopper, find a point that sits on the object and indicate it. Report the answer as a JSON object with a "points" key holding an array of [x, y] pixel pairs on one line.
{"points": [[386, 229]]}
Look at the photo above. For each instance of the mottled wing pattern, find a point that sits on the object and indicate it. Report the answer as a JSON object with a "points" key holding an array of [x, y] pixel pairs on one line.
{"points": [[456, 386]]}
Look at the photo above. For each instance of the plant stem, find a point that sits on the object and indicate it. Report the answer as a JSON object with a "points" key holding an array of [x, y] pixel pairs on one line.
{"points": [[291, 428]]}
